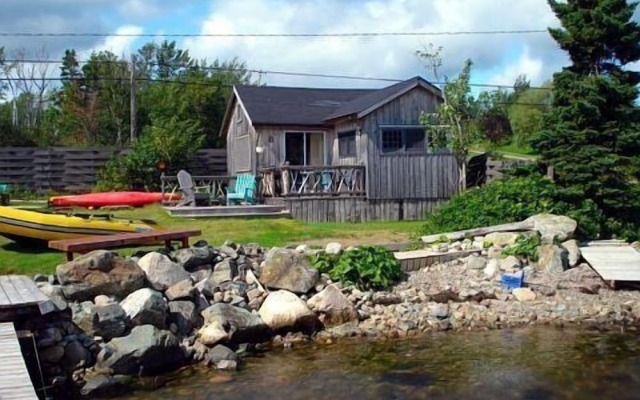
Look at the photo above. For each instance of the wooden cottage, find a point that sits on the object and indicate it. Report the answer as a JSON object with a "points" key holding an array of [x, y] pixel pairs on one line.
{"points": [[340, 154]]}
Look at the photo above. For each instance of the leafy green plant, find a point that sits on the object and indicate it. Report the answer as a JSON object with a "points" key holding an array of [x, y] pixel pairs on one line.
{"points": [[526, 246], [324, 262], [366, 267]]}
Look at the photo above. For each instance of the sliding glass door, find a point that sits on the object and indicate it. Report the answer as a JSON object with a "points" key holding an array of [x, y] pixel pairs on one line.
{"points": [[304, 148]]}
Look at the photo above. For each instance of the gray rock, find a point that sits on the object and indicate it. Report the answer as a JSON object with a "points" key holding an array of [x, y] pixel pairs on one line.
{"points": [[40, 278], [146, 350], [475, 262], [492, 269], [99, 272], [218, 355], [52, 354], [103, 386], [185, 315], [161, 272], [83, 314], [102, 300], [333, 248], [225, 322], [76, 356], [146, 306], [183, 290], [574, 252], [385, 298], [502, 238], [552, 259], [333, 306], [194, 257], [224, 271], [229, 251], [283, 309], [553, 227], [288, 270], [110, 321], [201, 274], [510, 264]]}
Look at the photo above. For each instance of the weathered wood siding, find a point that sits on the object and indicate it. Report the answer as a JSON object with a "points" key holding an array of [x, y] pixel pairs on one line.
{"points": [[358, 209], [405, 176], [240, 142], [271, 138], [69, 169], [345, 126]]}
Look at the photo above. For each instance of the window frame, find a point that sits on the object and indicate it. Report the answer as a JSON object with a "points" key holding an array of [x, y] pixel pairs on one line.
{"points": [[351, 137], [404, 129]]}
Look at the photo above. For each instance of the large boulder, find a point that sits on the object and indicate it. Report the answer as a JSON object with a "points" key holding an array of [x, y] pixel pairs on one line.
{"points": [[552, 259], [183, 290], [146, 350], [288, 270], [161, 272], [333, 306], [110, 321], [283, 309], [146, 307], [99, 272], [224, 322], [581, 278], [574, 252], [194, 257], [224, 271], [502, 239], [553, 227], [185, 315]]}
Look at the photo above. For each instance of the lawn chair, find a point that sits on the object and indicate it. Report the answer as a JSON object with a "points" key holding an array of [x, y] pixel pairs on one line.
{"points": [[191, 192], [4, 194], [244, 191], [326, 180]]}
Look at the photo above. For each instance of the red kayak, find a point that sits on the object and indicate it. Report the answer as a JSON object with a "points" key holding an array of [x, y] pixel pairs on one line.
{"points": [[110, 199]]}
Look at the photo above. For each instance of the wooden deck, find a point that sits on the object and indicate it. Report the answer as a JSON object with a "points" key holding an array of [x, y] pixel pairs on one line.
{"points": [[20, 296], [613, 262], [15, 383]]}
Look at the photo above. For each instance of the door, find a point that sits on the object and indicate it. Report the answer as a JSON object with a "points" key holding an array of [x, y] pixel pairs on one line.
{"points": [[304, 148]]}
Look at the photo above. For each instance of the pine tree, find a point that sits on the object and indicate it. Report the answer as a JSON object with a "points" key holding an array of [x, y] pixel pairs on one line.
{"points": [[591, 135]]}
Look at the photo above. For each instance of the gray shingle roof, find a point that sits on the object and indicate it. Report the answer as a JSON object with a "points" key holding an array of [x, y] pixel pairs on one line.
{"points": [[273, 105]]}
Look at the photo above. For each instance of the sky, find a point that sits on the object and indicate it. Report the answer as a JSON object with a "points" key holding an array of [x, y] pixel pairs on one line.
{"points": [[498, 59]]}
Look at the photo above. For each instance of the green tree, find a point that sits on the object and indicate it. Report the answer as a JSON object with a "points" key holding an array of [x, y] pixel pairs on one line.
{"points": [[452, 126], [525, 114], [591, 134]]}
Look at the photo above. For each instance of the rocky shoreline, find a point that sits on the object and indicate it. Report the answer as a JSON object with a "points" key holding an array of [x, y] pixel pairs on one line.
{"points": [[122, 319]]}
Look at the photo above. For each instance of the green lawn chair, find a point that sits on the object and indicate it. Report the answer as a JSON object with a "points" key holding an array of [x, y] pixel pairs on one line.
{"points": [[4, 194], [244, 191]]}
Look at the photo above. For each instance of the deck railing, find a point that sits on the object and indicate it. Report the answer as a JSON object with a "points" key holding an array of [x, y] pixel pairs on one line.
{"points": [[330, 180], [209, 187]]}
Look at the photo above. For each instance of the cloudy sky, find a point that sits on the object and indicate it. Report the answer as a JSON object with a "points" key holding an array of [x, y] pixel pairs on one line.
{"points": [[498, 59]]}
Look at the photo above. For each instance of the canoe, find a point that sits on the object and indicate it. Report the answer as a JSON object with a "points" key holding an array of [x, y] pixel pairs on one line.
{"points": [[110, 199], [31, 226]]}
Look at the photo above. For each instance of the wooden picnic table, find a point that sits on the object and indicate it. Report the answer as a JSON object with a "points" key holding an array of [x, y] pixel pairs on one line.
{"points": [[86, 244]]}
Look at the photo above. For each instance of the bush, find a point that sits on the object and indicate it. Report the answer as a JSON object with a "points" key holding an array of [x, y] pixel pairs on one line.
{"points": [[167, 140], [367, 267], [511, 200], [526, 246]]}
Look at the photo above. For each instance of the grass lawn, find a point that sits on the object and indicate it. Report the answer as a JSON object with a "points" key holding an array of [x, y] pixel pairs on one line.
{"points": [[507, 150], [265, 231]]}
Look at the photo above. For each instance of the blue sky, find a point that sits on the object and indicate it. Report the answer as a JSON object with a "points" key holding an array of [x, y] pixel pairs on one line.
{"points": [[497, 59]]}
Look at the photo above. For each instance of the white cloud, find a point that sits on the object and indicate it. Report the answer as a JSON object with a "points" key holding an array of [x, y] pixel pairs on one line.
{"points": [[118, 45], [389, 57], [525, 64], [138, 8]]}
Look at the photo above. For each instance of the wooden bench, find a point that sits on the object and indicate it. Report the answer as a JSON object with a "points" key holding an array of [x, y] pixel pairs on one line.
{"points": [[86, 244]]}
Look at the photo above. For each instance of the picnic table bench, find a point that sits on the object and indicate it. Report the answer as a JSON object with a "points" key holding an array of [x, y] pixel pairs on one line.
{"points": [[86, 244]]}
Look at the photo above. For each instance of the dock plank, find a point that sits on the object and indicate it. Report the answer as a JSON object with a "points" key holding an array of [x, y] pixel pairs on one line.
{"points": [[27, 289], [15, 383], [4, 299], [11, 292], [613, 262]]}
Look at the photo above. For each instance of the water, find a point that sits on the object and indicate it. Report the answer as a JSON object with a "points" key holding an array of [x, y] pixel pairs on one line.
{"points": [[537, 363]]}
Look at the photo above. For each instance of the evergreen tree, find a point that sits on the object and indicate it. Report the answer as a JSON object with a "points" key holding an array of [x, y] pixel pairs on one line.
{"points": [[590, 136]]}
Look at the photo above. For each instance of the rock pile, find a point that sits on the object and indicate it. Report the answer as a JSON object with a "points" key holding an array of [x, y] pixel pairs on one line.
{"points": [[155, 312]]}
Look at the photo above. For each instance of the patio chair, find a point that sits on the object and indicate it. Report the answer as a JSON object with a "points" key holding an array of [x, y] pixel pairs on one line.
{"points": [[191, 192], [244, 191]]}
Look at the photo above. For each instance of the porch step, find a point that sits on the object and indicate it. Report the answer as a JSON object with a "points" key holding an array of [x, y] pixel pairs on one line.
{"points": [[263, 210]]}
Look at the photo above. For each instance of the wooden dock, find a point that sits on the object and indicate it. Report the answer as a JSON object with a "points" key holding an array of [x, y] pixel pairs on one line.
{"points": [[15, 383], [614, 262], [19, 296], [418, 259]]}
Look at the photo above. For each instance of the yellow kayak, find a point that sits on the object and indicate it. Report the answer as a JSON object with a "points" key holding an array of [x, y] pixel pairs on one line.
{"points": [[22, 225]]}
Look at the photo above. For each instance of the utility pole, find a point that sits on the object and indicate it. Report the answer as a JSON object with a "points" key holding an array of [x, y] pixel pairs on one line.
{"points": [[132, 110]]}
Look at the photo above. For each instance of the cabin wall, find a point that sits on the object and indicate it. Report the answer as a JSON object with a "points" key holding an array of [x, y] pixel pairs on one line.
{"points": [[271, 139], [406, 176], [240, 142], [346, 126]]}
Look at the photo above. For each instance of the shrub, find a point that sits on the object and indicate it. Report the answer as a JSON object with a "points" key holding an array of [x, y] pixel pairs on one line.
{"points": [[526, 246], [367, 267], [510, 200]]}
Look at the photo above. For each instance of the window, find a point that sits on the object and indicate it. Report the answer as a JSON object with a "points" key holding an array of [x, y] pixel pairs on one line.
{"points": [[347, 144], [404, 140]]}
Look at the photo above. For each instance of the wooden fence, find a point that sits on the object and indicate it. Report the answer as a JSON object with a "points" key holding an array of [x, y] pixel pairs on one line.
{"points": [[68, 169]]}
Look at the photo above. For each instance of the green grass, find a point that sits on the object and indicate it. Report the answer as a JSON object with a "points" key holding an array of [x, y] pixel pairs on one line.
{"points": [[507, 150], [265, 231]]}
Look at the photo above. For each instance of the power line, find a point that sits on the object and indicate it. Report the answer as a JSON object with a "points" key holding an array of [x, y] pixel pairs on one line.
{"points": [[274, 35], [272, 72]]}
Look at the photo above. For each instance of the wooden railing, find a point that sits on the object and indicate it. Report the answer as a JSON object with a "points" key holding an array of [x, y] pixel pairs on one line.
{"points": [[212, 188], [330, 180]]}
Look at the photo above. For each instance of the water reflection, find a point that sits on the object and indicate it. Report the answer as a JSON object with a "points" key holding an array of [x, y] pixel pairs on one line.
{"points": [[540, 363]]}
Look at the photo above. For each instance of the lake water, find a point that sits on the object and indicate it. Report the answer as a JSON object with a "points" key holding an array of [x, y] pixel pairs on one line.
{"points": [[529, 364]]}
